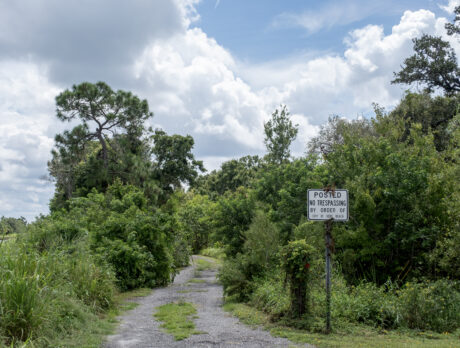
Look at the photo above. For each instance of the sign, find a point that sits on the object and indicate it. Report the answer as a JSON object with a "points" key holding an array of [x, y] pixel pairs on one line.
{"points": [[325, 205]]}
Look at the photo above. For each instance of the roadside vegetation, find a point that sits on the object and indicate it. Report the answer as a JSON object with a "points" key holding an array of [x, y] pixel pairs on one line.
{"points": [[121, 220], [177, 319]]}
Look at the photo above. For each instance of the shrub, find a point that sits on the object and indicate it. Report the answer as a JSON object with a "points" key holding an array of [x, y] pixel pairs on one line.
{"points": [[431, 305], [296, 257], [215, 252], [136, 247], [369, 304], [270, 295]]}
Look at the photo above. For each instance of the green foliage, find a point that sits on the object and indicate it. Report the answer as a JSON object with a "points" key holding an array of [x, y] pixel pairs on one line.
{"points": [[10, 225], [175, 163], [87, 157], [232, 174], [398, 194], [44, 296], [431, 305], [236, 276], [256, 257], [333, 133], [195, 216], [279, 134], [270, 295], [433, 113], [296, 259], [234, 213], [261, 241], [134, 240], [214, 252], [434, 64], [177, 319], [284, 188]]}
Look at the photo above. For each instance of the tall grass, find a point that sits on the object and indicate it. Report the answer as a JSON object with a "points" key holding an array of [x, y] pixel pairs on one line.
{"points": [[47, 295]]}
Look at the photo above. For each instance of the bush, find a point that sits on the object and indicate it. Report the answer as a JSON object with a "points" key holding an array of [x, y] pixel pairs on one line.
{"points": [[270, 296], [369, 304], [431, 305], [136, 247], [422, 306], [296, 258], [237, 275], [215, 252]]}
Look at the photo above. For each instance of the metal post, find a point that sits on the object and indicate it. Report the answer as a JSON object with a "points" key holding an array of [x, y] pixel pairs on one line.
{"points": [[328, 240]]}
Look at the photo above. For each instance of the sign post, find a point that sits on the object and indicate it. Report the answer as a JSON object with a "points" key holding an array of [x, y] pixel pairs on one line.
{"points": [[328, 205]]}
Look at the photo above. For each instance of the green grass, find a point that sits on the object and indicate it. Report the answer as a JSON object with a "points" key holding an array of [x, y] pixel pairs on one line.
{"points": [[216, 253], [125, 301], [93, 332], [191, 290], [176, 319], [350, 337], [195, 280], [203, 265]]}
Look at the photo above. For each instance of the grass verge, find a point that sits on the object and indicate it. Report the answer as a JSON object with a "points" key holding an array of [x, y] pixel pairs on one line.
{"points": [[350, 337], [203, 265], [92, 332], [176, 318]]}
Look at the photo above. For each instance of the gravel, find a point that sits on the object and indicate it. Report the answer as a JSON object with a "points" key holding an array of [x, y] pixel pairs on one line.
{"points": [[138, 328]]}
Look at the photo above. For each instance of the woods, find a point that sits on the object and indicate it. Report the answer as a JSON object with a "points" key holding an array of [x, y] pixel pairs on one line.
{"points": [[132, 204]]}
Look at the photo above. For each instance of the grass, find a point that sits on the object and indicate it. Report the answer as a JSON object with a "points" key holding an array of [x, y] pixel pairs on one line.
{"points": [[349, 337], [216, 253], [176, 318], [125, 301], [195, 280], [191, 290], [203, 265], [93, 332]]}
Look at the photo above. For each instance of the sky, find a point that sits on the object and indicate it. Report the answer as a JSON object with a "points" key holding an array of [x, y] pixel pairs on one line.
{"points": [[214, 69]]}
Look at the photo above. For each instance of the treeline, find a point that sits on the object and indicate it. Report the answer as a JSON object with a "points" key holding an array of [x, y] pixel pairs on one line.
{"points": [[114, 223], [402, 176]]}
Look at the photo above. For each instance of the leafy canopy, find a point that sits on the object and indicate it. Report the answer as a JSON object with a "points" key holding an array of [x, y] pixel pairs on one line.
{"points": [[279, 134]]}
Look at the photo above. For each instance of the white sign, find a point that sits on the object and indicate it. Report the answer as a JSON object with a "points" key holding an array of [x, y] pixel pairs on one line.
{"points": [[325, 205]]}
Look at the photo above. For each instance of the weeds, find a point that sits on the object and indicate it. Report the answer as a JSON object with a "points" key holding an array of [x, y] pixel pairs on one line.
{"points": [[176, 319]]}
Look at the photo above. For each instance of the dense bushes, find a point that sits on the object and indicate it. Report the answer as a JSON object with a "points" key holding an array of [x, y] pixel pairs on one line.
{"points": [[392, 259], [45, 295], [427, 305], [65, 269]]}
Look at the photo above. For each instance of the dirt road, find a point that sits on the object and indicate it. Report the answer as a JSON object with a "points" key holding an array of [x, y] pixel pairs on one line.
{"points": [[138, 328]]}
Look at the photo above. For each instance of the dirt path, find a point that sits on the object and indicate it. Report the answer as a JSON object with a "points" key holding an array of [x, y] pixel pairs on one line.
{"points": [[138, 328]]}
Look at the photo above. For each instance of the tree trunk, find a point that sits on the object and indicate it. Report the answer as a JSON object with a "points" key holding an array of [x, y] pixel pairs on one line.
{"points": [[104, 149]]}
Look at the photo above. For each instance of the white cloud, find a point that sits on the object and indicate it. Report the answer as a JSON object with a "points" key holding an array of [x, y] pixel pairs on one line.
{"points": [[26, 137], [450, 7]]}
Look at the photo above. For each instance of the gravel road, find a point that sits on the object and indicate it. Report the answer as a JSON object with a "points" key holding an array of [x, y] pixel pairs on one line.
{"points": [[138, 328]]}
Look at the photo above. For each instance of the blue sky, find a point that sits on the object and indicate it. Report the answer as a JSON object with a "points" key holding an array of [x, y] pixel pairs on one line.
{"points": [[213, 69], [258, 31]]}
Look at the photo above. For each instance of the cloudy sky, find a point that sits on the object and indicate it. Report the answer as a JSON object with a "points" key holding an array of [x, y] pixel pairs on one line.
{"points": [[215, 69]]}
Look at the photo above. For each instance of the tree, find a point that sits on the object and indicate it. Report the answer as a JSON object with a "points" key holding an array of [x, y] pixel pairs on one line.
{"points": [[279, 134], [231, 175], [175, 163], [433, 113], [70, 150], [434, 63], [333, 132], [101, 111], [109, 142], [454, 28]]}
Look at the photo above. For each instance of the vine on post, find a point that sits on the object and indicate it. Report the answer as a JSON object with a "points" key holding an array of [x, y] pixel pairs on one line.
{"points": [[296, 258]]}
